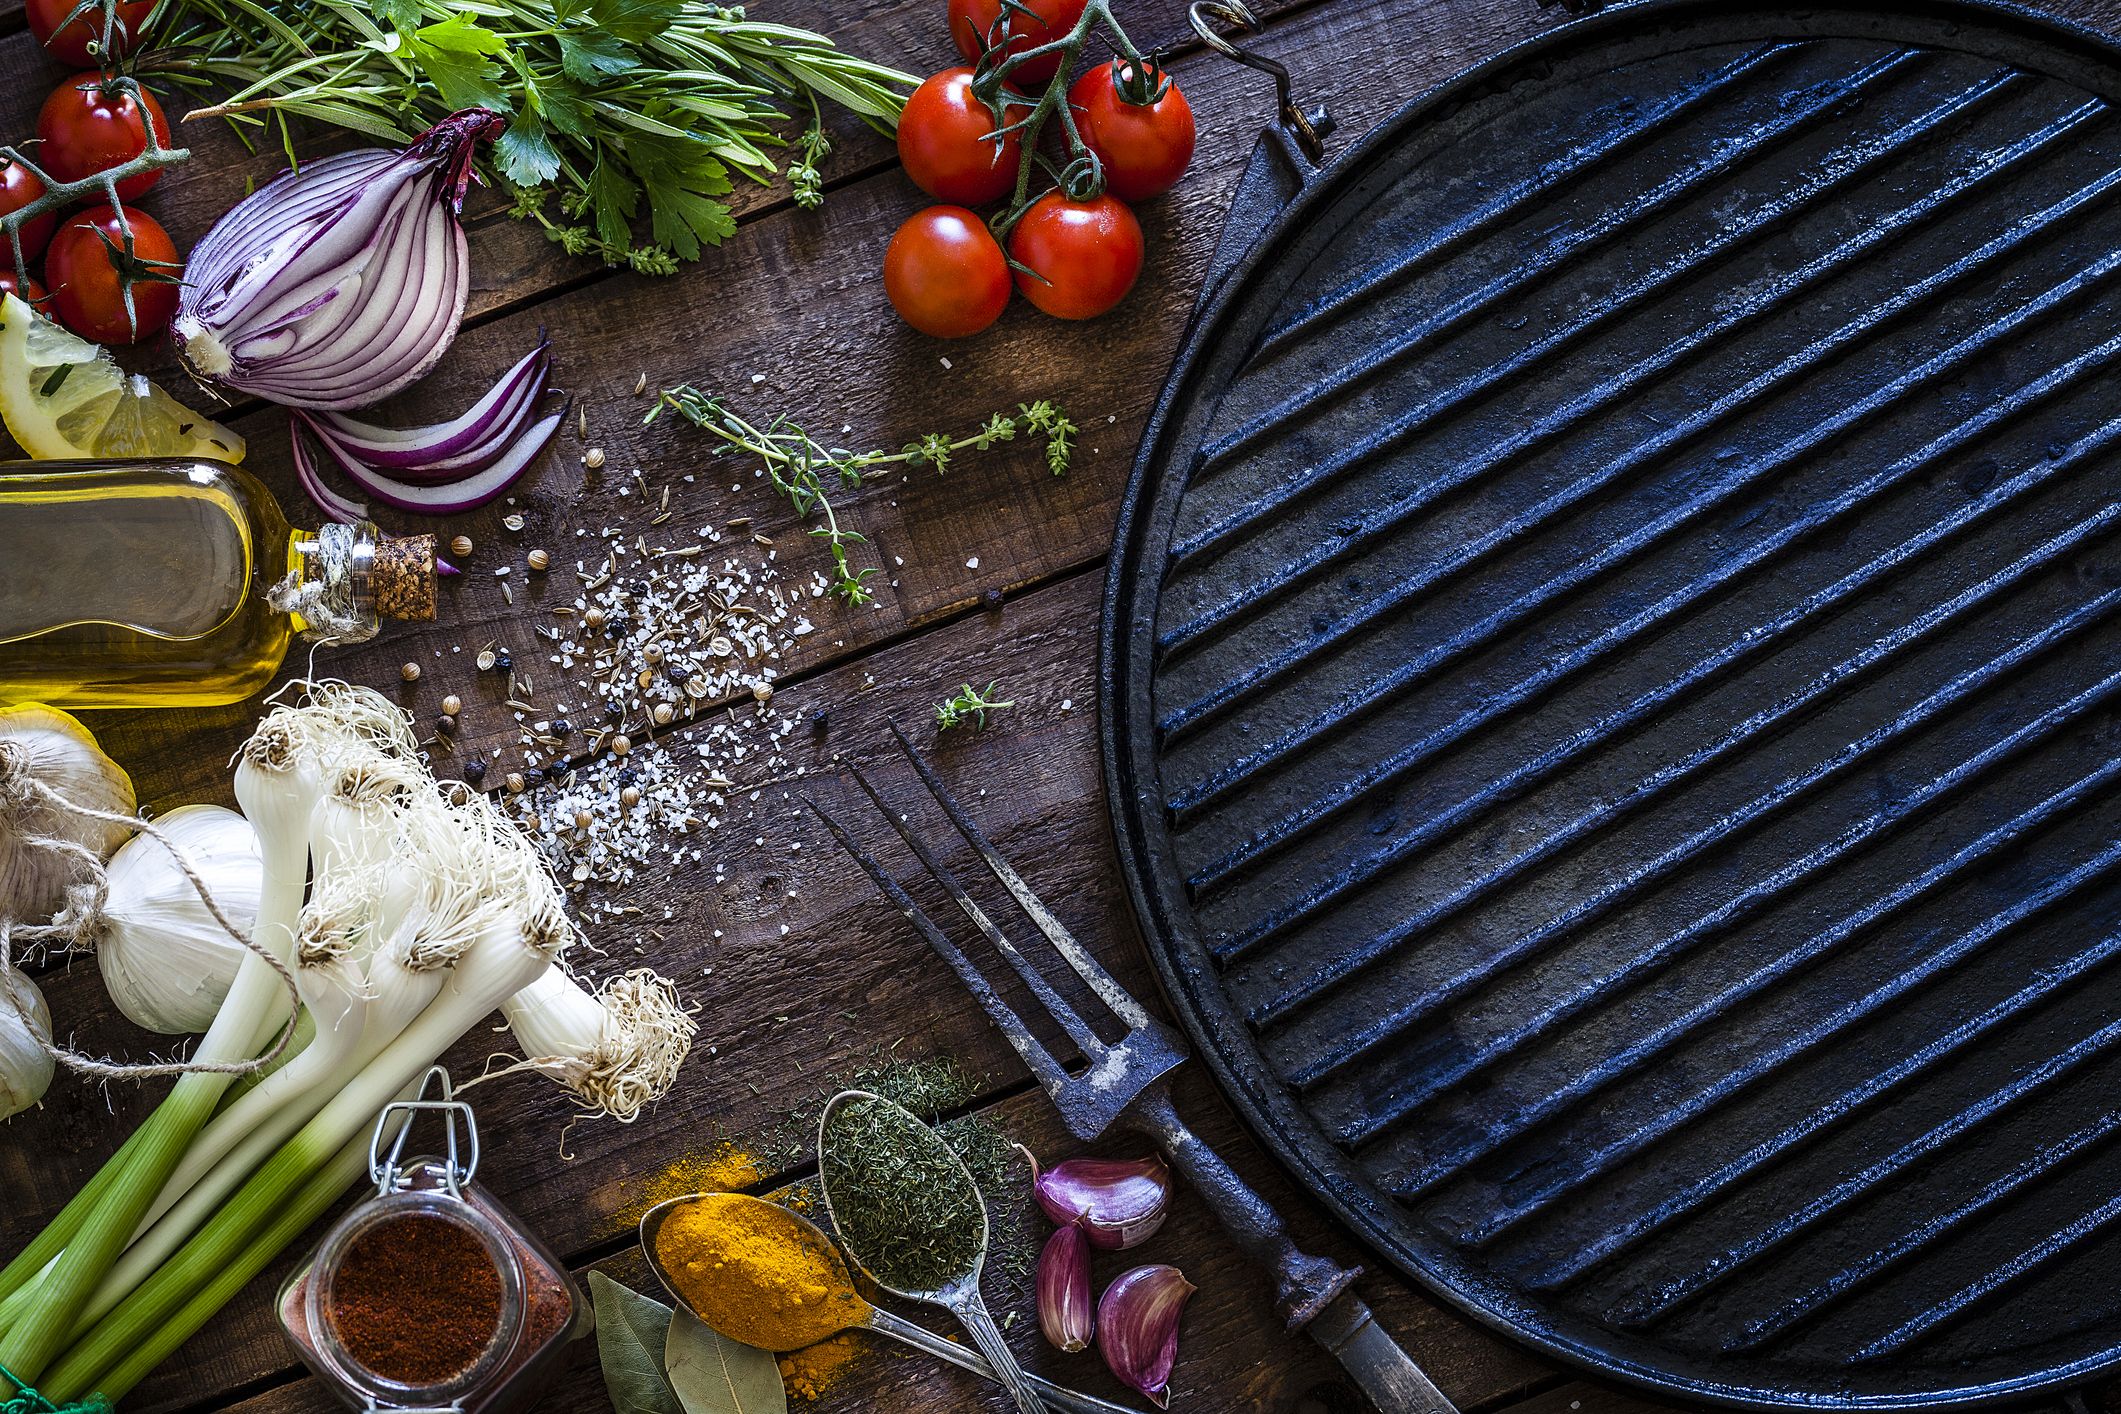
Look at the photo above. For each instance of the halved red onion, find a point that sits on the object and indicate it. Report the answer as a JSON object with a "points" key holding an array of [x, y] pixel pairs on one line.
{"points": [[335, 286]]}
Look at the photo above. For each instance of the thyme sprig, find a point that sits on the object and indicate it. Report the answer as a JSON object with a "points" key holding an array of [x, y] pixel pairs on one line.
{"points": [[613, 105], [969, 708], [802, 468]]}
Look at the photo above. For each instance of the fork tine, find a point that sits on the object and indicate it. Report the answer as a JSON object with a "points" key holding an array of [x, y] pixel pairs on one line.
{"points": [[1044, 1068], [1118, 998], [1057, 1006]]}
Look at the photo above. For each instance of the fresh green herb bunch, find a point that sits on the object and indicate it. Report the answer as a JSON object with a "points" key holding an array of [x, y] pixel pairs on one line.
{"points": [[799, 465], [969, 708], [611, 103]]}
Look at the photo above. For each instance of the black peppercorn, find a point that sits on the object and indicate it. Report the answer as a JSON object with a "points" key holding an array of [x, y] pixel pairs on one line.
{"points": [[563, 727], [503, 660], [992, 599], [628, 776], [475, 770], [613, 712], [820, 721], [446, 725], [557, 771], [618, 626], [677, 673]]}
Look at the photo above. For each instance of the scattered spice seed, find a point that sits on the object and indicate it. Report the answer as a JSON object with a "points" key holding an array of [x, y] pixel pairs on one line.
{"points": [[515, 783], [663, 714], [460, 545], [538, 561], [512, 521], [410, 672], [630, 797], [452, 705], [621, 744], [593, 458], [446, 725], [486, 659]]}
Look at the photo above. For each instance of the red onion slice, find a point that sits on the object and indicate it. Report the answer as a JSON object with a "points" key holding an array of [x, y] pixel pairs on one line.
{"points": [[473, 491], [338, 507], [413, 446]]}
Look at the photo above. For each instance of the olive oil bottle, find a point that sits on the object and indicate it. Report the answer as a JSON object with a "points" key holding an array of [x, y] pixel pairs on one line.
{"points": [[178, 583]]}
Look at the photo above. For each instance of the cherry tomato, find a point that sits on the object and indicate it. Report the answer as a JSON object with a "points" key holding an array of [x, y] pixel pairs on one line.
{"points": [[89, 125], [972, 21], [88, 290], [1085, 254], [18, 188], [1144, 147], [68, 40], [945, 273], [942, 139], [31, 292]]}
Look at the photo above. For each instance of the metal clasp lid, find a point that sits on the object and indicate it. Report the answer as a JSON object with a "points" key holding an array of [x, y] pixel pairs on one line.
{"points": [[460, 1160]]}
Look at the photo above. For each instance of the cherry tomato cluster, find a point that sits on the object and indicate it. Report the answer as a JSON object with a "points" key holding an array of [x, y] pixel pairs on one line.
{"points": [[1073, 251], [109, 273]]}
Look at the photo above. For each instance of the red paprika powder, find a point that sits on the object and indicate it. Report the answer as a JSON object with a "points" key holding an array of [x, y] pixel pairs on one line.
{"points": [[416, 1299]]}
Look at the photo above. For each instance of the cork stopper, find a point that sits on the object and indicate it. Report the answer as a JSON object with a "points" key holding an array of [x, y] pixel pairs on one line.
{"points": [[403, 578]]}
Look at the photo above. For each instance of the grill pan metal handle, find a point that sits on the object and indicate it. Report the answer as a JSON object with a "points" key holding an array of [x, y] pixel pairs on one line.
{"points": [[1287, 156]]}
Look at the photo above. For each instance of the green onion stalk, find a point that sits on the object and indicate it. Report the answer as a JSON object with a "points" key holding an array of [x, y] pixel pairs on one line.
{"points": [[500, 962], [281, 776]]}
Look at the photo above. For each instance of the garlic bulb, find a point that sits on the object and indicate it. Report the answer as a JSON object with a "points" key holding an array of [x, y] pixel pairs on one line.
{"points": [[165, 960], [25, 1067], [44, 752]]}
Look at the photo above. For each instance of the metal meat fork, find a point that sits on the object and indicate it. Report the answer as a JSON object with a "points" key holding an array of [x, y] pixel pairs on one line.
{"points": [[1127, 1083]]}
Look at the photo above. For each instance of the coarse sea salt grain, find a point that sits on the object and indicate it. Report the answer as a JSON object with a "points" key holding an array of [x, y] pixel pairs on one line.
{"points": [[699, 639]]}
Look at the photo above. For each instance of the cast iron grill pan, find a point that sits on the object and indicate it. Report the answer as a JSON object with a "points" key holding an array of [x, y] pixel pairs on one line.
{"points": [[1614, 661]]}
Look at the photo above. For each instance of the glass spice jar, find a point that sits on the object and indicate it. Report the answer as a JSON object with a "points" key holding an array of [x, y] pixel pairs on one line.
{"points": [[431, 1295]]}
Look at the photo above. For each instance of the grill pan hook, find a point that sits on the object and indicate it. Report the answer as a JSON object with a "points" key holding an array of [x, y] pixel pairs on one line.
{"points": [[1310, 130]]}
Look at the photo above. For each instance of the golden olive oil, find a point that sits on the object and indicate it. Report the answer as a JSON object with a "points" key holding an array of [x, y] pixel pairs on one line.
{"points": [[177, 583]]}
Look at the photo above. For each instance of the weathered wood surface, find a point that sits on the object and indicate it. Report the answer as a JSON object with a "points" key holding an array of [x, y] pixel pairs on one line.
{"points": [[795, 297]]}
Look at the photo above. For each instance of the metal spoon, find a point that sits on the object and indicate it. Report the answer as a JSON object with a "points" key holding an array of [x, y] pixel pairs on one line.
{"points": [[960, 1295], [866, 1316]]}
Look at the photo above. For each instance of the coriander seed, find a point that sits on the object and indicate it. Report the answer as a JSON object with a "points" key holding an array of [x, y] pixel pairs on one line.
{"points": [[621, 744], [652, 654], [513, 520], [593, 458], [583, 820], [461, 545], [644, 679], [538, 560], [486, 660], [630, 797], [515, 782], [762, 691], [663, 713], [452, 705], [410, 672], [593, 619]]}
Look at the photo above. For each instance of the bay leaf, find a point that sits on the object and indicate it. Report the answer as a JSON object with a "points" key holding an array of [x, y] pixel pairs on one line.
{"points": [[631, 1332], [713, 1374]]}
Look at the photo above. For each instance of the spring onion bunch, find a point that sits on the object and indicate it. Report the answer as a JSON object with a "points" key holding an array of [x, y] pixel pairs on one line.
{"points": [[406, 917]]}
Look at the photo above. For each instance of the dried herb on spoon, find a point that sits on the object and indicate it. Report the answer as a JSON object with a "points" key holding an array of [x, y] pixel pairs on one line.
{"points": [[900, 1198]]}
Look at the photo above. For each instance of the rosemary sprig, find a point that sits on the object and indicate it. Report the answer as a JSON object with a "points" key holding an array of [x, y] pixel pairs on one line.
{"points": [[799, 465], [969, 708], [611, 103]]}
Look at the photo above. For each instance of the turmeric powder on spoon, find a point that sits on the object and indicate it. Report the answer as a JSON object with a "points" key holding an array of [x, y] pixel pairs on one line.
{"points": [[756, 1272]]}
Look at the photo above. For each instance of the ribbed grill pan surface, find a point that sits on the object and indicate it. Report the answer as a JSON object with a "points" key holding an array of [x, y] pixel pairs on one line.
{"points": [[1613, 665]]}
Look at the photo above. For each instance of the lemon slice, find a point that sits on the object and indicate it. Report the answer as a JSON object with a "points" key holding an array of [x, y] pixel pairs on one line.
{"points": [[62, 396]]}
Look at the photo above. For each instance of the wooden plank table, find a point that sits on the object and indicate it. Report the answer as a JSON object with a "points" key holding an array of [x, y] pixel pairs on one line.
{"points": [[800, 972]]}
